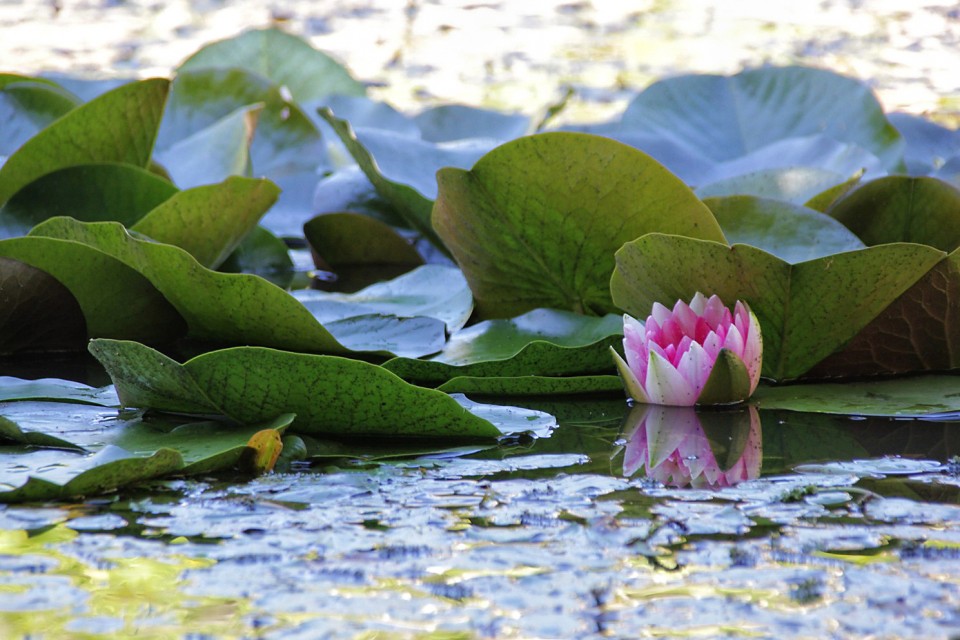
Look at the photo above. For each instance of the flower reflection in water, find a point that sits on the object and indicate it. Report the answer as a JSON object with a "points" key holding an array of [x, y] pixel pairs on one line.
{"points": [[680, 446]]}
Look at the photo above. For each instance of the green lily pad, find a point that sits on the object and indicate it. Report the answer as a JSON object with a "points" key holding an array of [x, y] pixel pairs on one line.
{"points": [[116, 451], [214, 153], [130, 307], [928, 145], [27, 105], [330, 395], [38, 312], [725, 117], [916, 396], [536, 222], [119, 126], [791, 232], [210, 221], [89, 192], [281, 58], [917, 332], [543, 342], [903, 209], [218, 307], [532, 385], [261, 253], [806, 310], [344, 240], [403, 169]]}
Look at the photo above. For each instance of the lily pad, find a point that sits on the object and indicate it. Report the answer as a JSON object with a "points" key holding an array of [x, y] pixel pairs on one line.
{"points": [[791, 232], [212, 154], [209, 222], [806, 310], [27, 105], [725, 117], [543, 342], [532, 385], [928, 145], [345, 240], [917, 332], [261, 253], [916, 396], [448, 122], [330, 395], [432, 290], [536, 222], [12, 388], [218, 307], [130, 307], [89, 192], [903, 209], [38, 313], [283, 59], [796, 185], [119, 126]]}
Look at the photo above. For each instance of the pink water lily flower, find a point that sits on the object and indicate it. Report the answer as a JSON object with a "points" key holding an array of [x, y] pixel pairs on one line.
{"points": [[698, 353]]}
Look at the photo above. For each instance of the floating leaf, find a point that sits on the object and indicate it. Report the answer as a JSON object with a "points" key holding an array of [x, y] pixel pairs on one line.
{"points": [[806, 310], [403, 169], [212, 154], [263, 254], [543, 342], [55, 389], [532, 385], [928, 145], [793, 184], [726, 117], [536, 222], [281, 58], [210, 221], [38, 313], [791, 232], [88, 192], [917, 332], [329, 394], [218, 307], [130, 307], [119, 126], [916, 396], [903, 209], [27, 105], [448, 122], [431, 290], [344, 240]]}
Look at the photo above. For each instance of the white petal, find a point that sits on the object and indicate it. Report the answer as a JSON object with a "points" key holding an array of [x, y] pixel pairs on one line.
{"points": [[665, 385], [660, 313]]}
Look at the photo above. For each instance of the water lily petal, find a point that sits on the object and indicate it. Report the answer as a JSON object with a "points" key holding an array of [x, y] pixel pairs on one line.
{"points": [[665, 385], [630, 382]]}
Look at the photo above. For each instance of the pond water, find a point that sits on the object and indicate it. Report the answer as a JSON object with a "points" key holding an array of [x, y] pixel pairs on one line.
{"points": [[842, 528]]}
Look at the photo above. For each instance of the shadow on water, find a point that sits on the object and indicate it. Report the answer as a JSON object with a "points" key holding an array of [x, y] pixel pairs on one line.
{"points": [[625, 522]]}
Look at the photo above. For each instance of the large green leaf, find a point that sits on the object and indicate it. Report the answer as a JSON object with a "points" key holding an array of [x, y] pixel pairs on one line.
{"points": [[119, 126], [533, 385], [210, 221], [725, 117], [448, 122], [906, 397], [218, 307], [903, 209], [793, 184], [791, 232], [18, 389], [536, 222], [806, 310], [27, 105], [116, 300], [543, 342], [919, 331], [403, 169], [928, 145], [281, 58], [88, 192], [329, 394], [38, 313]]}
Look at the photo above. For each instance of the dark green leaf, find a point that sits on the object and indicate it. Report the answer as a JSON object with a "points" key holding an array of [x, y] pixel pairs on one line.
{"points": [[27, 105], [914, 396]]}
